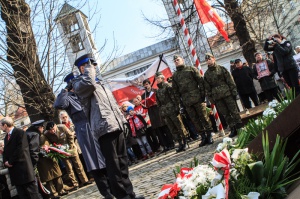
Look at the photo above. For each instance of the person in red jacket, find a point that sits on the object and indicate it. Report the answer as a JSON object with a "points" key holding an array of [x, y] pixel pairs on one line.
{"points": [[138, 128]]}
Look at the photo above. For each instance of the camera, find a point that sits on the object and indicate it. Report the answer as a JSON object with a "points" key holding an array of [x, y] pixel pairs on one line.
{"points": [[272, 40]]}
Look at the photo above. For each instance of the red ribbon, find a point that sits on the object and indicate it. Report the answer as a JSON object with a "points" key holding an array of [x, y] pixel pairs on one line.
{"points": [[223, 158]]}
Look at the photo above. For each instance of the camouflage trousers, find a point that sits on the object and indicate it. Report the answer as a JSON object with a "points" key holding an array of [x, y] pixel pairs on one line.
{"points": [[197, 113], [176, 126], [228, 108]]}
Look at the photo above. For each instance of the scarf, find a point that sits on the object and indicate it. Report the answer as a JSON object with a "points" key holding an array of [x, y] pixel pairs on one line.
{"points": [[68, 124], [135, 124]]}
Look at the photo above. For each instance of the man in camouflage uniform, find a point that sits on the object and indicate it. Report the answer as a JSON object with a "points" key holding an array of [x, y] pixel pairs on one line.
{"points": [[169, 109], [221, 91], [189, 86]]}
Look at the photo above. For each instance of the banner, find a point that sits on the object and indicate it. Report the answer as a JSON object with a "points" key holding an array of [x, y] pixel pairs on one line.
{"points": [[125, 89], [207, 13]]}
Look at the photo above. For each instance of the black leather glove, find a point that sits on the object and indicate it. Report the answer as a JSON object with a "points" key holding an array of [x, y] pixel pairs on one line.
{"points": [[69, 86]]}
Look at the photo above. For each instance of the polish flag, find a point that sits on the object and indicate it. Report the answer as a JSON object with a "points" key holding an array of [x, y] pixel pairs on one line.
{"points": [[125, 89], [208, 14]]}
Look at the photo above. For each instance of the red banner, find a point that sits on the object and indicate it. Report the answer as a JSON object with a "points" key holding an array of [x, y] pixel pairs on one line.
{"points": [[125, 89]]}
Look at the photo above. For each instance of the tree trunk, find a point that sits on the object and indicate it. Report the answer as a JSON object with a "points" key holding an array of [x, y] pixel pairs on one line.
{"points": [[22, 56], [247, 44]]}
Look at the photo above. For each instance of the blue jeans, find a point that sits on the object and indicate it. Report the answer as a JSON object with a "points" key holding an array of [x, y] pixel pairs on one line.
{"points": [[131, 154]]}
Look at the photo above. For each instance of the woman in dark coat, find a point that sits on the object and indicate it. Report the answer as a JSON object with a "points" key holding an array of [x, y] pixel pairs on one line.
{"points": [[284, 61]]}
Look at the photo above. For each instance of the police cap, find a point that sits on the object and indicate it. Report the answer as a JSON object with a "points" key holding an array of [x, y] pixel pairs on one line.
{"points": [[38, 123], [69, 77], [85, 59]]}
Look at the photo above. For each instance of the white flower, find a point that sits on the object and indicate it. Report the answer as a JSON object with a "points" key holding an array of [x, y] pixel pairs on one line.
{"points": [[273, 103], [258, 121], [252, 195], [220, 147], [227, 140], [269, 111], [237, 153]]}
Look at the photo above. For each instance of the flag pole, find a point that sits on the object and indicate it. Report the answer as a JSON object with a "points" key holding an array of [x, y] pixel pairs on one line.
{"points": [[197, 62], [160, 59]]}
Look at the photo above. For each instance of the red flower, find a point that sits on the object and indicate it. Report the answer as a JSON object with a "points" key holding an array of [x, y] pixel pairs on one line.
{"points": [[174, 190]]}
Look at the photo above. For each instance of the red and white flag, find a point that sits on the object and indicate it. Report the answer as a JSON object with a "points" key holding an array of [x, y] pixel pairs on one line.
{"points": [[208, 14], [125, 89]]}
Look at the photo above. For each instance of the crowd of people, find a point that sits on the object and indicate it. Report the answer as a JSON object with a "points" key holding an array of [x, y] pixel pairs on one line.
{"points": [[107, 138]]}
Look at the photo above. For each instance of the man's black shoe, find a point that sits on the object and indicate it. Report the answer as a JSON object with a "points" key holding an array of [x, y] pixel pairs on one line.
{"points": [[209, 138], [64, 193], [203, 140], [233, 132], [87, 183]]}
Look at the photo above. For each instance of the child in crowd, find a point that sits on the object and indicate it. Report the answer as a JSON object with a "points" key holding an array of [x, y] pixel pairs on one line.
{"points": [[138, 128]]}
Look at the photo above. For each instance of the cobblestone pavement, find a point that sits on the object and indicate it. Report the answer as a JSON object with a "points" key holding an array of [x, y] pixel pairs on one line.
{"points": [[149, 176]]}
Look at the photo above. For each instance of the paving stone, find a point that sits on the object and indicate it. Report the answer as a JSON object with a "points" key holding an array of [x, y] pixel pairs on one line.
{"points": [[148, 176]]}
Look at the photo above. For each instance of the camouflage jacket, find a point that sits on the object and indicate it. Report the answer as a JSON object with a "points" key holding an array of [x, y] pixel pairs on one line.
{"points": [[166, 100], [218, 83], [188, 85]]}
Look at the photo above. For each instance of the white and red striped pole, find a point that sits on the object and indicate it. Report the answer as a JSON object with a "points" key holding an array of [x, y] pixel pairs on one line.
{"points": [[196, 60], [187, 36], [218, 121]]}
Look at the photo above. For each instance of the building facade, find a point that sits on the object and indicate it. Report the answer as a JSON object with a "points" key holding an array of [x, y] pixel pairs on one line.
{"points": [[75, 33]]}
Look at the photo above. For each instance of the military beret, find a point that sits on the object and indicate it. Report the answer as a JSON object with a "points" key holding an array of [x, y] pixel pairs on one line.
{"points": [[85, 59], [176, 56], [157, 74], [257, 53], [237, 60], [50, 125], [208, 55], [38, 123], [69, 77]]}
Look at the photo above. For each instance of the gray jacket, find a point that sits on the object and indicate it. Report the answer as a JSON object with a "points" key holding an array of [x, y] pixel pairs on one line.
{"points": [[98, 104]]}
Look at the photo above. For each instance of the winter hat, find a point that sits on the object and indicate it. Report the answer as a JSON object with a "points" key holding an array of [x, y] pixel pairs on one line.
{"points": [[129, 108]]}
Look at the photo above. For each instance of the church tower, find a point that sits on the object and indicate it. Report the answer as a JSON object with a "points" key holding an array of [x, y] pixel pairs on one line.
{"points": [[194, 26], [75, 32]]}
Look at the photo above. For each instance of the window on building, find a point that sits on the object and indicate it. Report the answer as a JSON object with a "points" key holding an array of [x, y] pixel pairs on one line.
{"points": [[76, 43], [137, 71], [69, 24]]}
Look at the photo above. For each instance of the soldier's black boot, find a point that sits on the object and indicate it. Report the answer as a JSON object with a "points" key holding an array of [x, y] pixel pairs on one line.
{"points": [[233, 132], [210, 140], [203, 140], [182, 146]]}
